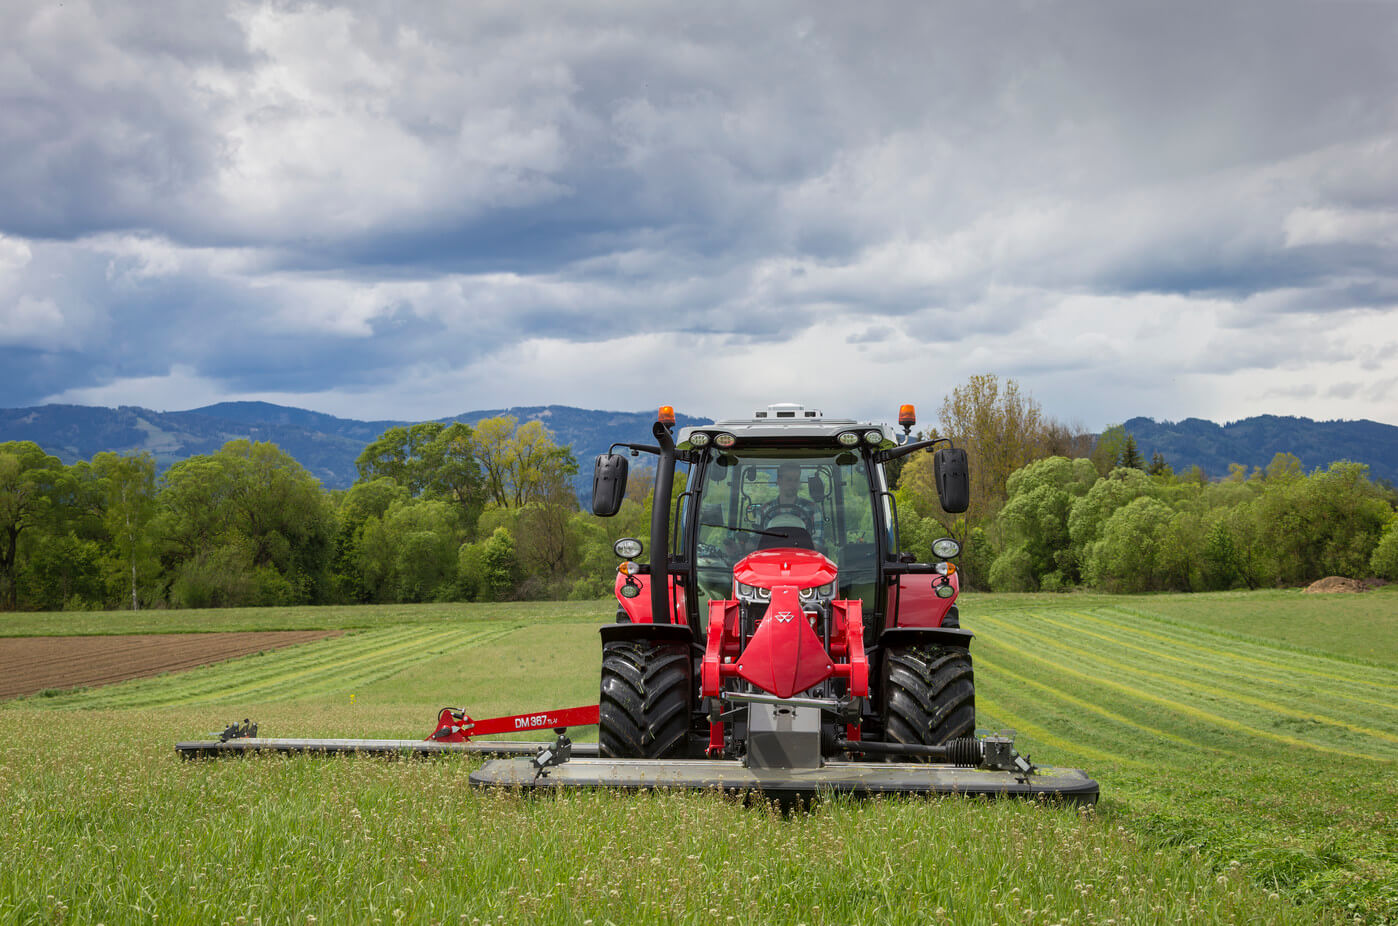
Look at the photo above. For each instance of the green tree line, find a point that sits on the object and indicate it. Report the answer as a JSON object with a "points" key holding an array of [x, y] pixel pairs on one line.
{"points": [[1052, 508], [438, 513]]}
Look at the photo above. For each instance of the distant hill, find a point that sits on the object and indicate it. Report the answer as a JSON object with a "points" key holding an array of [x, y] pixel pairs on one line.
{"points": [[1254, 441], [327, 446]]}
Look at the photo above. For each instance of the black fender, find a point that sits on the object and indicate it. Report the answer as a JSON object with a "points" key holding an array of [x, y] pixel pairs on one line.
{"points": [[936, 636], [669, 633]]}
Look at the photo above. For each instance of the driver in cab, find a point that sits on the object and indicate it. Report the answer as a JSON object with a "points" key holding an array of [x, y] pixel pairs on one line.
{"points": [[787, 520], [789, 509]]}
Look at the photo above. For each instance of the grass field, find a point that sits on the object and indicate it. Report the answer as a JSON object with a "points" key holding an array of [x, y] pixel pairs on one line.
{"points": [[1246, 744]]}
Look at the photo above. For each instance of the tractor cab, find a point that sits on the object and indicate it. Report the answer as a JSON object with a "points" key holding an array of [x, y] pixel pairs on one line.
{"points": [[786, 477]]}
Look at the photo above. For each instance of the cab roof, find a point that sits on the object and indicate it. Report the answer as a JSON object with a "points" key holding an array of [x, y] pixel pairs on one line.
{"points": [[787, 421]]}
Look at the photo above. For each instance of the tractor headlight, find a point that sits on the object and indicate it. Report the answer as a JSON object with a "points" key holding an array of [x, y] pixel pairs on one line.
{"points": [[752, 591], [627, 548], [946, 548], [724, 439], [847, 438], [699, 439], [821, 592], [873, 438], [945, 591]]}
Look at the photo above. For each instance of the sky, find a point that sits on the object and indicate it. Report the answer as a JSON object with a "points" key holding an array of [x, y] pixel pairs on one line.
{"points": [[407, 211]]}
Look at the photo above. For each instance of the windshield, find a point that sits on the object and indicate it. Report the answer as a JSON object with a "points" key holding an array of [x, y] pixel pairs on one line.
{"points": [[816, 499]]}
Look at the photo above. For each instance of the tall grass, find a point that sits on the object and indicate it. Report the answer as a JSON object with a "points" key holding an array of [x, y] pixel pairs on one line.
{"points": [[1243, 780]]}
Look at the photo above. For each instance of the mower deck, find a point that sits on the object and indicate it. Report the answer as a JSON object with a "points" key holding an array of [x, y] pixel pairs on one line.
{"points": [[857, 778], [402, 748]]}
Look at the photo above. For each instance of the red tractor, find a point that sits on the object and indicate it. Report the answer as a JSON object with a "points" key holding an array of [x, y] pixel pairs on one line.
{"points": [[788, 604]]}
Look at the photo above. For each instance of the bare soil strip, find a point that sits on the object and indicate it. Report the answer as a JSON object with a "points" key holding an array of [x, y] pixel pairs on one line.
{"points": [[33, 664]]}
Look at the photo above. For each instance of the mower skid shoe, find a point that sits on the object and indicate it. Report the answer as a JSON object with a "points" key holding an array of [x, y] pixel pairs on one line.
{"points": [[860, 779]]}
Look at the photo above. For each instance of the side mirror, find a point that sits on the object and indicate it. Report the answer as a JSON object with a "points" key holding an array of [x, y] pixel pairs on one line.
{"points": [[608, 484], [953, 479]]}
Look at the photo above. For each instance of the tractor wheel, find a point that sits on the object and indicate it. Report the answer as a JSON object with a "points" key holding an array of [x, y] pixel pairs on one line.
{"points": [[645, 705], [929, 695]]}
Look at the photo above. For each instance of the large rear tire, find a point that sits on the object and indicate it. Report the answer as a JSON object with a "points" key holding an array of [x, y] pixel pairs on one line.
{"points": [[646, 693], [929, 695]]}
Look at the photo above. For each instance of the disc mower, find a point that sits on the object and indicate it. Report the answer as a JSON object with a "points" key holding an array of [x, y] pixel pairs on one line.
{"points": [[776, 639]]}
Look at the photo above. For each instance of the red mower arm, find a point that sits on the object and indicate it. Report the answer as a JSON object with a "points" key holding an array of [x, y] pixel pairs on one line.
{"points": [[454, 725]]}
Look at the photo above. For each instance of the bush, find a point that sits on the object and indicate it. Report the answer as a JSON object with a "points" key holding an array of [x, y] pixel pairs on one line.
{"points": [[1384, 562]]}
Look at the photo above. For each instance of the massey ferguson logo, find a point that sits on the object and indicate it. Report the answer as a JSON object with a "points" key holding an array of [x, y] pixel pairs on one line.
{"points": [[783, 617]]}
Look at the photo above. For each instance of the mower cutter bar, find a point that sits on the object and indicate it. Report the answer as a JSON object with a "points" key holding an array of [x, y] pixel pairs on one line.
{"points": [[1069, 785]]}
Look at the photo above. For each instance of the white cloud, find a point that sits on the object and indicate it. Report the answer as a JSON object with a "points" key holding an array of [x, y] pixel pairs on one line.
{"points": [[1374, 227]]}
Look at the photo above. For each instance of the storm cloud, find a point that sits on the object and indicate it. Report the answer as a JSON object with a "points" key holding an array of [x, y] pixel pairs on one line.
{"points": [[405, 211]]}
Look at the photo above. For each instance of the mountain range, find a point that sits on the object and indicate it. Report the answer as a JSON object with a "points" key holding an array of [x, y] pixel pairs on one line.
{"points": [[327, 446], [1254, 441]]}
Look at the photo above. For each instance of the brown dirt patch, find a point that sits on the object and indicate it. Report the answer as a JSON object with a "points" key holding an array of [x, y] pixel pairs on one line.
{"points": [[1336, 584], [32, 664]]}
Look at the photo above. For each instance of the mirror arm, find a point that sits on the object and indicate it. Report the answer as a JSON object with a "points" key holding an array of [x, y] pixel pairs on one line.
{"points": [[893, 453], [634, 448]]}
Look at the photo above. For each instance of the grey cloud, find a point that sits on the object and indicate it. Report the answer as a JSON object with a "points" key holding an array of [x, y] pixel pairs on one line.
{"points": [[722, 170]]}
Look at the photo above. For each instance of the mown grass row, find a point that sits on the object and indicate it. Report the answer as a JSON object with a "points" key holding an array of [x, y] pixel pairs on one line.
{"points": [[307, 670], [307, 617], [1281, 761]]}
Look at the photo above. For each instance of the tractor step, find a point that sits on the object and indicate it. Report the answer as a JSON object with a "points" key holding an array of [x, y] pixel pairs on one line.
{"points": [[214, 748], [785, 785]]}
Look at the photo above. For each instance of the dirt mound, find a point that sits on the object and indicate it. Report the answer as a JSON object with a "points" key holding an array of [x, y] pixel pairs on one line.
{"points": [[33, 664], [1336, 584]]}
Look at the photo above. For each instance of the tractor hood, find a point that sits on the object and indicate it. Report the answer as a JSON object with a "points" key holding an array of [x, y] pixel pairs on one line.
{"points": [[789, 566]]}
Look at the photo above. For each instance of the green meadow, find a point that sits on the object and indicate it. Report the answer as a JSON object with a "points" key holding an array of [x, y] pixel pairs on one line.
{"points": [[1246, 745]]}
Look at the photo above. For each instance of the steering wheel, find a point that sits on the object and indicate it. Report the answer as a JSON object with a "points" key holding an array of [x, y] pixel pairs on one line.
{"points": [[777, 510]]}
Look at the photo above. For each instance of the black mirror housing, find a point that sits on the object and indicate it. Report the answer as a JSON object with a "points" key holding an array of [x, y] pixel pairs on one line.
{"points": [[953, 479], [608, 484]]}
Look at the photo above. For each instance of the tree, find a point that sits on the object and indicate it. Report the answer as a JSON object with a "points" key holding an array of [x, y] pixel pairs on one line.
{"points": [[521, 462], [1285, 467], [410, 553], [1001, 428], [1106, 451], [1091, 512], [1158, 467], [499, 566], [245, 525], [1034, 523], [1127, 557], [1130, 455], [126, 486], [1327, 523], [430, 460], [1384, 561], [29, 482]]}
